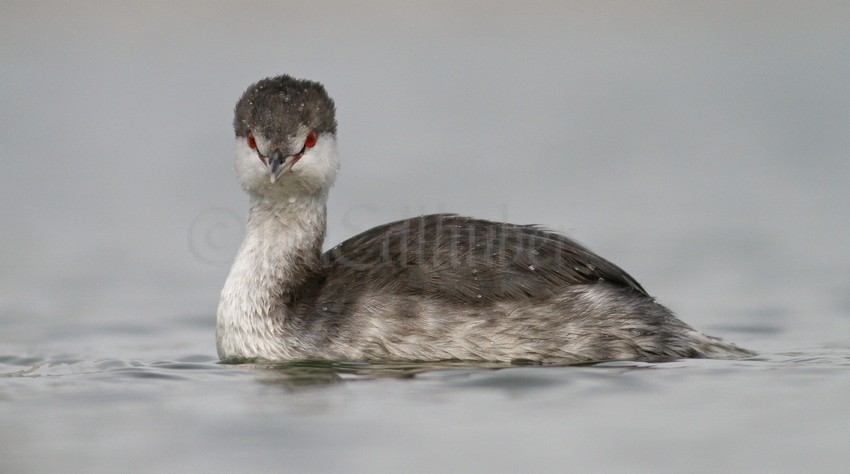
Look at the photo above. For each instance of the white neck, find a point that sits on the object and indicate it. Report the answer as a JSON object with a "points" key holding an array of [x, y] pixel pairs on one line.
{"points": [[281, 249]]}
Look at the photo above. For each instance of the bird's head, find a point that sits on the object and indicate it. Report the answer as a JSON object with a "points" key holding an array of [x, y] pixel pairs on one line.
{"points": [[285, 138]]}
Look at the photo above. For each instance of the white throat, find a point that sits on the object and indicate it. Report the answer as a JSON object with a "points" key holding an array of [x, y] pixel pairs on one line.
{"points": [[281, 250]]}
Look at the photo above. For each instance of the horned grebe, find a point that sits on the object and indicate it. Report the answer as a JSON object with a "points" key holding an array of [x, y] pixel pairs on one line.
{"points": [[437, 287]]}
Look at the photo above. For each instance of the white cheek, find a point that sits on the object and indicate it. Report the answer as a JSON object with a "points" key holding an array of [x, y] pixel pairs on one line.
{"points": [[320, 164], [315, 171], [249, 169]]}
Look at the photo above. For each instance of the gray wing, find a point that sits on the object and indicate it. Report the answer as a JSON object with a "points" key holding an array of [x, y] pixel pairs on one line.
{"points": [[445, 256]]}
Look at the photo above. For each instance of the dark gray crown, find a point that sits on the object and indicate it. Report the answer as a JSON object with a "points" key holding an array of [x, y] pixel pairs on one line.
{"points": [[278, 106]]}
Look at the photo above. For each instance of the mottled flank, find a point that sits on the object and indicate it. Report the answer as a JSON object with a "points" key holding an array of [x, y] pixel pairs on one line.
{"points": [[431, 288], [448, 287]]}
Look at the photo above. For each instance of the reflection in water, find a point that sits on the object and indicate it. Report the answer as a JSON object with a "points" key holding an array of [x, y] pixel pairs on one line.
{"points": [[308, 373], [311, 373]]}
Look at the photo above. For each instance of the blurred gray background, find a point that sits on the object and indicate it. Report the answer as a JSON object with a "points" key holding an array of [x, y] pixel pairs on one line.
{"points": [[703, 146]]}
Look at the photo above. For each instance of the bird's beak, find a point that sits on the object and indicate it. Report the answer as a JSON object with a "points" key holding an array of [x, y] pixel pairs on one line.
{"points": [[279, 164]]}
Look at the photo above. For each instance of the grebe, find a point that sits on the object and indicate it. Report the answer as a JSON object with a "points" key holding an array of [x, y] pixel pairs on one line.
{"points": [[431, 288]]}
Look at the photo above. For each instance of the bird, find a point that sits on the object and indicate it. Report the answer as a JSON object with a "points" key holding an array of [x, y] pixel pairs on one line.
{"points": [[430, 288]]}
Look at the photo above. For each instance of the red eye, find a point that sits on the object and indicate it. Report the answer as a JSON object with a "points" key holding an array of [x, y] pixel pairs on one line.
{"points": [[251, 142], [310, 142]]}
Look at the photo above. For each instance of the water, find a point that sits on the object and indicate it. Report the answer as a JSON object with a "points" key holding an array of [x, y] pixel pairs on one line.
{"points": [[776, 413], [702, 147]]}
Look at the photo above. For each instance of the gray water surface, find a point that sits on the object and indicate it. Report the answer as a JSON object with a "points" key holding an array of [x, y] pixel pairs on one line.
{"points": [[703, 147]]}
